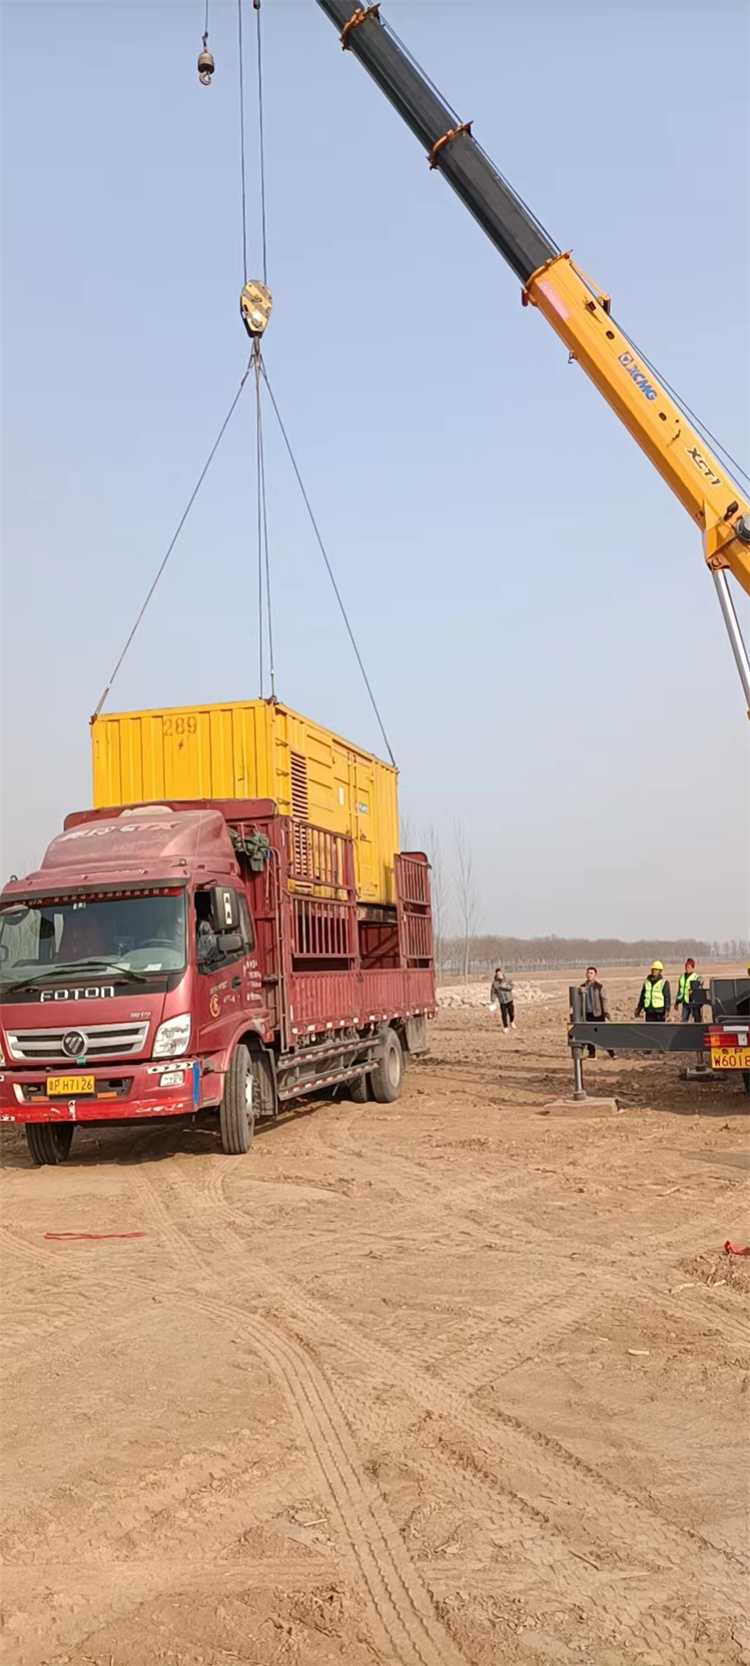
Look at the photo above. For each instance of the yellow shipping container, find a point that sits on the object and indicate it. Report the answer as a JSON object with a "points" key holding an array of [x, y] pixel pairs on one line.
{"points": [[255, 749]]}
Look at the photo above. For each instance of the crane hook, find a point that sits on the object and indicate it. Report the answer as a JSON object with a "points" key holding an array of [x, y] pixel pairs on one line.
{"points": [[255, 307], [206, 65]]}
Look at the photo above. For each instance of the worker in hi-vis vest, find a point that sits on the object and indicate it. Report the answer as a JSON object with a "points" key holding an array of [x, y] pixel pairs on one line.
{"points": [[684, 1001], [655, 998]]}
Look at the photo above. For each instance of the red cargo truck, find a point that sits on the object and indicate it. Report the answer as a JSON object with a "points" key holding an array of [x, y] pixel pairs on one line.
{"points": [[203, 957]]}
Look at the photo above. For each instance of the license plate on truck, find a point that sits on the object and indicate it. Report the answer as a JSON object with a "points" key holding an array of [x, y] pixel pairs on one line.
{"points": [[59, 1086], [730, 1058]]}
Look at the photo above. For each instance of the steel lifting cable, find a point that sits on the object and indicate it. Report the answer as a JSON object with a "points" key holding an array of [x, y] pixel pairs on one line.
{"points": [[264, 564], [255, 308], [261, 139], [180, 525], [243, 183], [324, 553], [261, 143], [264, 558], [259, 483], [255, 305]]}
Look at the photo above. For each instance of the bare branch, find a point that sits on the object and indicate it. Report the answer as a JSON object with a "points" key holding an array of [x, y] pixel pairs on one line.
{"points": [[466, 896]]}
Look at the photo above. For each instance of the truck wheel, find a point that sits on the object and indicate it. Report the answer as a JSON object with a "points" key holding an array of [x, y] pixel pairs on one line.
{"points": [[359, 1090], [237, 1112], [266, 1102], [386, 1078], [49, 1142]]}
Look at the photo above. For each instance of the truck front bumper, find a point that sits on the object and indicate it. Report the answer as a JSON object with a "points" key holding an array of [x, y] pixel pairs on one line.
{"points": [[173, 1087]]}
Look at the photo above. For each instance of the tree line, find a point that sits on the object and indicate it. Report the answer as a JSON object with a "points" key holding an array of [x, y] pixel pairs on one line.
{"points": [[461, 950], [480, 956]]}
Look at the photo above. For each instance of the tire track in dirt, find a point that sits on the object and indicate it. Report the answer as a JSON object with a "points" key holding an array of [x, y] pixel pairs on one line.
{"points": [[76, 1598], [565, 1303], [541, 1549], [150, 1581], [625, 1526], [535, 1330], [313, 1320], [17, 1246], [70, 1328], [218, 1517], [495, 1358], [597, 1523], [410, 1182], [399, 1603]]}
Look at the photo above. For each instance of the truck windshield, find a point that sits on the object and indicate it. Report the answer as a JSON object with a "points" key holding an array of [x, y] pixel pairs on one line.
{"points": [[134, 933]]}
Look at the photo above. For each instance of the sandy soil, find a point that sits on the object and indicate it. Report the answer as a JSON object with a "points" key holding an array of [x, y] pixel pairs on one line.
{"points": [[455, 1383]]}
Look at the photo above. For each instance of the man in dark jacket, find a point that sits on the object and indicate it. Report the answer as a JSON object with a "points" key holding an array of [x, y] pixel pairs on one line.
{"points": [[595, 1004], [655, 998]]}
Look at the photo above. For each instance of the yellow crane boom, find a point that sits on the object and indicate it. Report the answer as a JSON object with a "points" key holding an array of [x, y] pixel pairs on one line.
{"points": [[578, 312]]}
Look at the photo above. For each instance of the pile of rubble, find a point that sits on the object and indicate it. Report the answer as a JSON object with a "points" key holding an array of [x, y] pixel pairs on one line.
{"points": [[478, 994]]}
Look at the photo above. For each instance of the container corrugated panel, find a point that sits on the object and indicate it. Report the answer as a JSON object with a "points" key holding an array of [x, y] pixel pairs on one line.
{"points": [[255, 749]]}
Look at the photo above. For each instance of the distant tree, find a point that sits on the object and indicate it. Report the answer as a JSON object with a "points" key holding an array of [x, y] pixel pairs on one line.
{"points": [[466, 895], [529, 954], [440, 890]]}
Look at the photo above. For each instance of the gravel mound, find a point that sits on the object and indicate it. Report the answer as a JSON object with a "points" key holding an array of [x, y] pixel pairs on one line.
{"points": [[478, 994]]}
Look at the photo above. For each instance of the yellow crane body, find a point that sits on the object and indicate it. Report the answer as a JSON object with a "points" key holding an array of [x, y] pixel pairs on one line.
{"points": [[580, 317]]}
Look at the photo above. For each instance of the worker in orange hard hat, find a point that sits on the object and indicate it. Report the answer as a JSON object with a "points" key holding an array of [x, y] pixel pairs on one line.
{"points": [[655, 998]]}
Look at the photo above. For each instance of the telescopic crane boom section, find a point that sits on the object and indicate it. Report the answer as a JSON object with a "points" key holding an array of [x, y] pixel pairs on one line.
{"points": [[578, 312]]}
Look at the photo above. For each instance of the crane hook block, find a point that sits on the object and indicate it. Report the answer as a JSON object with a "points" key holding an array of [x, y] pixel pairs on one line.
{"points": [[255, 307], [206, 65]]}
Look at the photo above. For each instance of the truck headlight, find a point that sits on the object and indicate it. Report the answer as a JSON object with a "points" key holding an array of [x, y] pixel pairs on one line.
{"points": [[172, 1037]]}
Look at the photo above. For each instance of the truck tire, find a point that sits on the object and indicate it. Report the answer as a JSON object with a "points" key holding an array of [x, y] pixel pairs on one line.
{"points": [[49, 1142], [237, 1110], [386, 1078], [266, 1101], [359, 1089]]}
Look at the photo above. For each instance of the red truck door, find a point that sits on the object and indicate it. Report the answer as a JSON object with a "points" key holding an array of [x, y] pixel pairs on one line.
{"points": [[227, 981]]}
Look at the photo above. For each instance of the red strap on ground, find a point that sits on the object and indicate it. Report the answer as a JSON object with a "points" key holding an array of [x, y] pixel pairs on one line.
{"points": [[736, 1249], [60, 1236]]}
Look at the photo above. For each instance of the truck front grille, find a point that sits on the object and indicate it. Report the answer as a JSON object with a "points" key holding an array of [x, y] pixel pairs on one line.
{"points": [[103, 1041]]}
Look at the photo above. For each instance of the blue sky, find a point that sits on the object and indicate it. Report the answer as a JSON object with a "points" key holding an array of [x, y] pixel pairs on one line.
{"points": [[531, 604]]}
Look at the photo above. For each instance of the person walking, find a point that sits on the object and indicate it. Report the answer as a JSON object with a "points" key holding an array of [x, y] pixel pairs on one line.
{"points": [[595, 1005], [685, 1003], [655, 998], [501, 995]]}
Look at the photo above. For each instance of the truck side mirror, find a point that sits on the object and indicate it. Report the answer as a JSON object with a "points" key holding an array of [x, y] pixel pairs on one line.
{"points": [[225, 910]]}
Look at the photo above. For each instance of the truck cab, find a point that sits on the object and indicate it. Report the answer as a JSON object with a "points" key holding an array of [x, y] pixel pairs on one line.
{"points": [[127, 963]]}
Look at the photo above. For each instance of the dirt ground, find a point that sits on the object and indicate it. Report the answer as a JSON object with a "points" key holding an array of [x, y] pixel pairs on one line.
{"points": [[459, 1382]]}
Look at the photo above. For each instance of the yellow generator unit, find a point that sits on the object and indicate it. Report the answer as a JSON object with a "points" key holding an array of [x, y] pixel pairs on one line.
{"points": [[255, 749]]}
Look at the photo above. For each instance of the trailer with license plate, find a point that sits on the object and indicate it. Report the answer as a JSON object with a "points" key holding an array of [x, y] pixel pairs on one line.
{"points": [[728, 1036], [721, 1045]]}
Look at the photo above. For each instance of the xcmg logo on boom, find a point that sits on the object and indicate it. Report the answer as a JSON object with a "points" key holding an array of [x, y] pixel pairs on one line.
{"points": [[638, 375]]}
